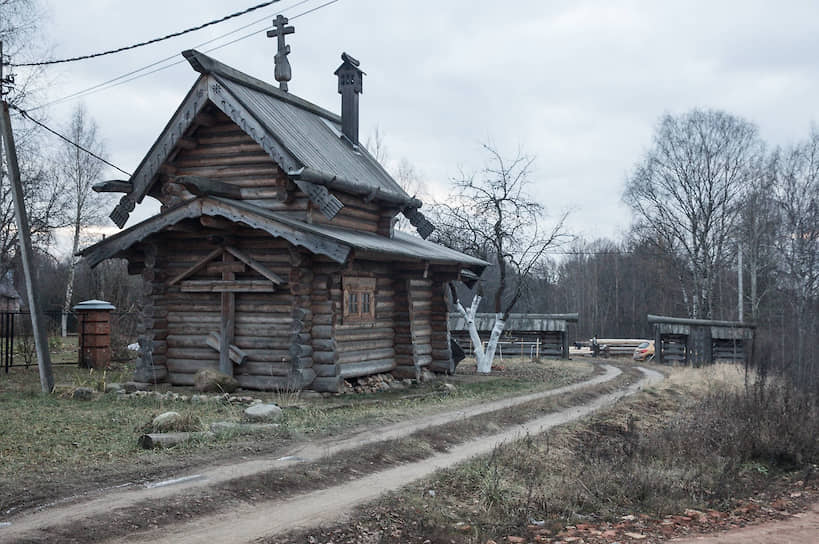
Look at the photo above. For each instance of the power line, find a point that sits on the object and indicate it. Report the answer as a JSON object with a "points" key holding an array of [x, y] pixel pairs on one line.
{"points": [[65, 138], [154, 40], [117, 81], [26, 115]]}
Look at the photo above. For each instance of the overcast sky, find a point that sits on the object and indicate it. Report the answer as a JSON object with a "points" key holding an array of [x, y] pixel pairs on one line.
{"points": [[578, 84]]}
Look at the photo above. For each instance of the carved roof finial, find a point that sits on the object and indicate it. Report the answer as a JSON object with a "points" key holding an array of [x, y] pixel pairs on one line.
{"points": [[281, 71]]}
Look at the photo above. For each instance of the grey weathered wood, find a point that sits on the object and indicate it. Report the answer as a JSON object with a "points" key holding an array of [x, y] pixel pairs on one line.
{"points": [[146, 173], [26, 254], [277, 225], [200, 186], [113, 186], [121, 241], [236, 354], [365, 355], [325, 370], [202, 263], [228, 321], [227, 286], [353, 370], [255, 265], [327, 384], [328, 204]]}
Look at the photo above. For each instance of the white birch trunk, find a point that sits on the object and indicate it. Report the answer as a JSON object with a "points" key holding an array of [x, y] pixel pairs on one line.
{"points": [[483, 358], [469, 317], [497, 330], [69, 288]]}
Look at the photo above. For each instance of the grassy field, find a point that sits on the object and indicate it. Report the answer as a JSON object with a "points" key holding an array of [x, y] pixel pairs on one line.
{"points": [[701, 441], [49, 438]]}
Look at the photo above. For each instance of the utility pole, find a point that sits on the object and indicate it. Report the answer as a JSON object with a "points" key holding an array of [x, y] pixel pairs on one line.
{"points": [[24, 237], [740, 289]]}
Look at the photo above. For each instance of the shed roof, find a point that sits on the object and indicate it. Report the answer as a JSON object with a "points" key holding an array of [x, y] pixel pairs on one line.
{"points": [[516, 322], [667, 320]]}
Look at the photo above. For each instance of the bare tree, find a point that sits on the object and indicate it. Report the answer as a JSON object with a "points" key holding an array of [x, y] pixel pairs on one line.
{"points": [[686, 194], [797, 243], [19, 31], [492, 216], [757, 232], [80, 171], [44, 200]]}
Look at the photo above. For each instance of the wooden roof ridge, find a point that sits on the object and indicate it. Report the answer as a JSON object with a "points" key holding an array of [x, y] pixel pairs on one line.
{"points": [[208, 65]]}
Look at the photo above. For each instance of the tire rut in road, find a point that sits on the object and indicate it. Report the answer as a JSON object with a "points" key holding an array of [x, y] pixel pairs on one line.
{"points": [[253, 522]]}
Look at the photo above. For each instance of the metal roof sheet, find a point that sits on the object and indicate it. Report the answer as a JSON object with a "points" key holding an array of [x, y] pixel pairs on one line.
{"points": [[516, 322], [313, 140], [401, 245]]}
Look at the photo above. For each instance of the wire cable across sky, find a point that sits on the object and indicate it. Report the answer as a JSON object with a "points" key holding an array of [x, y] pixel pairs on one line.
{"points": [[154, 40], [136, 73], [66, 139], [140, 72]]}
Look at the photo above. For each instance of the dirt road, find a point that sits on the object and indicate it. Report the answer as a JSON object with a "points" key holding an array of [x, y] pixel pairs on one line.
{"points": [[800, 529], [71, 509], [255, 521]]}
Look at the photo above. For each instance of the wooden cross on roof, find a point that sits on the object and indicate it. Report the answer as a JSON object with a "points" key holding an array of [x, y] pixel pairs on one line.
{"points": [[281, 71]]}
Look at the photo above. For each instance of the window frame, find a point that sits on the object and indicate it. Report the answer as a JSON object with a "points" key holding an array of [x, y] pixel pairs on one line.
{"points": [[358, 293]]}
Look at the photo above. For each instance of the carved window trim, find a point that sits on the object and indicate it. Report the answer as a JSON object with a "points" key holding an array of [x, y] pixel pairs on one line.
{"points": [[359, 300]]}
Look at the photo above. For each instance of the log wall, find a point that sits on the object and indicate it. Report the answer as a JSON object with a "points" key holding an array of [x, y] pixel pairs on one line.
{"points": [[420, 311], [264, 322], [441, 351], [294, 337], [153, 327], [222, 151], [368, 347]]}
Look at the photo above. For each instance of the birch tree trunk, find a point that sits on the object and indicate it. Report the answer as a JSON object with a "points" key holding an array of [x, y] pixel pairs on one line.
{"points": [[483, 358], [69, 287], [497, 330]]}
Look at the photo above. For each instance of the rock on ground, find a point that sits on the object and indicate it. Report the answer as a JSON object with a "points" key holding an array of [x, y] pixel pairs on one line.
{"points": [[211, 381], [131, 387], [113, 387], [166, 421], [263, 413], [83, 393]]}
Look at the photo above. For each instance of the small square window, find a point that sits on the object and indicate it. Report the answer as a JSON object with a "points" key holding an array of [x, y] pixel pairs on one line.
{"points": [[359, 298]]}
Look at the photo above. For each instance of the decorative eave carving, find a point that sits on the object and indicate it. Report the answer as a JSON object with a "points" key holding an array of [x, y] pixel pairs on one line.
{"points": [[420, 222], [145, 174]]}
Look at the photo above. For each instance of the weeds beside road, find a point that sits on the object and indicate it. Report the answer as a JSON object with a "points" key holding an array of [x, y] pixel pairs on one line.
{"points": [[53, 445], [700, 441]]}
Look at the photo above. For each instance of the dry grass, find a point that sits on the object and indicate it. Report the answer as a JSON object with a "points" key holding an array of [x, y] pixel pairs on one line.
{"points": [[45, 439], [698, 440]]}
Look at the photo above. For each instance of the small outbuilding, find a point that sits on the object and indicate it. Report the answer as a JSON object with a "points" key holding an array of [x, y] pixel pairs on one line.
{"points": [[275, 256], [10, 300], [700, 342], [524, 334]]}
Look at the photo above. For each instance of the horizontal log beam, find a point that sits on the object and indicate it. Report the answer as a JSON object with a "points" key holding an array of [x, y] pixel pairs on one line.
{"points": [[354, 370], [227, 286]]}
